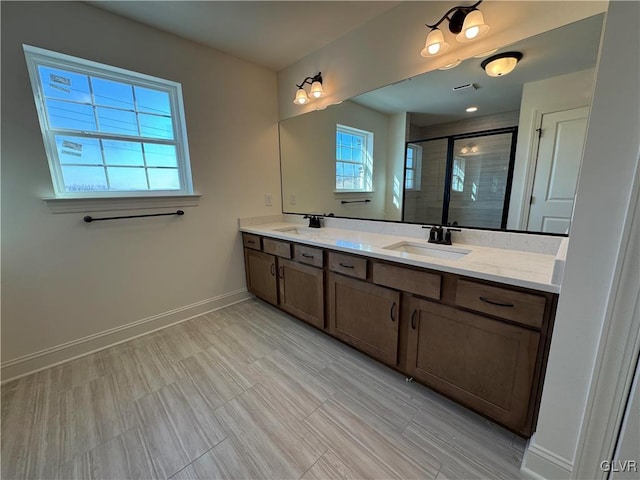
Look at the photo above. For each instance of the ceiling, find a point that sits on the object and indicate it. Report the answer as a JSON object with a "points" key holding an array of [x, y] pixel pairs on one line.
{"points": [[430, 98], [274, 34]]}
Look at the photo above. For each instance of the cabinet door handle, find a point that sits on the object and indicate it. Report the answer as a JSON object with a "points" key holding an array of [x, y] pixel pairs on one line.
{"points": [[251, 241], [493, 302], [413, 319], [346, 265], [273, 269], [393, 307], [281, 270], [306, 255]]}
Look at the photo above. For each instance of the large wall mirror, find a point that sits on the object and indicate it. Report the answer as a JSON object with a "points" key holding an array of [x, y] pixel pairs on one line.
{"points": [[411, 152]]}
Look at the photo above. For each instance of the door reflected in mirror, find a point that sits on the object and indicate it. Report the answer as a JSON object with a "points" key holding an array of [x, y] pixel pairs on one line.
{"points": [[411, 151]]}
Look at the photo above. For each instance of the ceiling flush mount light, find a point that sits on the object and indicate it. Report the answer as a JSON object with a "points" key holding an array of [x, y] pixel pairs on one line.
{"points": [[316, 90], [471, 109], [501, 64], [467, 23]]}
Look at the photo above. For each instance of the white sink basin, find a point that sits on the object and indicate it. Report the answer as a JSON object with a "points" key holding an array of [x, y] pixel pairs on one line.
{"points": [[304, 231], [437, 251]]}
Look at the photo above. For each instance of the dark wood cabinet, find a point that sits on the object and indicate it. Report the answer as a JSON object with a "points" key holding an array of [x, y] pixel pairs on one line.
{"points": [[365, 315], [485, 364], [260, 268], [302, 291]]}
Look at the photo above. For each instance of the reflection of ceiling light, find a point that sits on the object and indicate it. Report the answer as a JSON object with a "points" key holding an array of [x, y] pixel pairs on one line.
{"points": [[466, 22], [469, 149], [316, 90], [449, 66], [501, 64], [471, 109], [486, 54]]}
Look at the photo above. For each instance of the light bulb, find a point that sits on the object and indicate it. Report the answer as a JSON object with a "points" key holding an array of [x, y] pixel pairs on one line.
{"points": [[434, 44], [473, 27], [301, 97], [316, 90]]}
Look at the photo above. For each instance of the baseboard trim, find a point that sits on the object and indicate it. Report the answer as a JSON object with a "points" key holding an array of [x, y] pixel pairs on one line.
{"points": [[539, 464], [33, 362]]}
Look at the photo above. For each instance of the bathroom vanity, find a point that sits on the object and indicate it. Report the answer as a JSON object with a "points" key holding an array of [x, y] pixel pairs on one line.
{"points": [[472, 322]]}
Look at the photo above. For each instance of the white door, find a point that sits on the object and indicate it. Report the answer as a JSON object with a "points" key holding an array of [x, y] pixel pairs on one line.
{"points": [[557, 167]]}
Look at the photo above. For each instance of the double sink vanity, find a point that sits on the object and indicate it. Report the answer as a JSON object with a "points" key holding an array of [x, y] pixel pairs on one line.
{"points": [[470, 321]]}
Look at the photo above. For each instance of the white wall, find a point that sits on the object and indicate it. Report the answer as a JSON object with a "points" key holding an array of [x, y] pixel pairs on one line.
{"points": [[308, 153], [63, 279], [544, 96], [386, 49], [395, 166], [610, 163]]}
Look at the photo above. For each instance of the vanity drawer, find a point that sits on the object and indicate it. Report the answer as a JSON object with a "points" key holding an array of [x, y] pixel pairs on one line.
{"points": [[420, 283], [348, 265], [309, 255], [251, 241], [276, 247], [523, 308]]}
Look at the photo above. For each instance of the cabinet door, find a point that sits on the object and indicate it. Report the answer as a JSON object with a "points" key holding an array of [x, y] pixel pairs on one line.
{"points": [[261, 275], [302, 291], [365, 316], [485, 364]]}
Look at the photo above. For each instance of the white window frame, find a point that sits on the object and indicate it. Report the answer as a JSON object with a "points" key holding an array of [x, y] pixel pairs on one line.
{"points": [[37, 56], [417, 168], [368, 154]]}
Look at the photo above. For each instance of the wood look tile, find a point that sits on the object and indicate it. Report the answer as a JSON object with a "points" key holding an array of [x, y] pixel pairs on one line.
{"points": [[365, 450], [243, 392], [271, 437], [123, 457], [178, 426], [329, 466]]}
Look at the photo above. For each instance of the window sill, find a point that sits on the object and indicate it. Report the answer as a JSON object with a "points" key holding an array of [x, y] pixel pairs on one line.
{"points": [[101, 204]]}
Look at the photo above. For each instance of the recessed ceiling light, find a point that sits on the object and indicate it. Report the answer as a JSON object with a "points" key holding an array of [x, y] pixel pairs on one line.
{"points": [[472, 109], [449, 66], [485, 54]]}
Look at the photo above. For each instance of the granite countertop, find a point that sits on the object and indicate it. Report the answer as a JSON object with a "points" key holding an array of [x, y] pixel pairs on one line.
{"points": [[511, 267]]}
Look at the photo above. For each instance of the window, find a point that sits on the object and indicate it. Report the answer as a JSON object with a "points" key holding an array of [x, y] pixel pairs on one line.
{"points": [[354, 160], [109, 132], [457, 182], [413, 170]]}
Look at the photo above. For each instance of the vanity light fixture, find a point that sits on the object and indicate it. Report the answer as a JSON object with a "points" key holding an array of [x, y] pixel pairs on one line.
{"points": [[501, 64], [467, 23], [451, 65], [316, 90], [471, 109]]}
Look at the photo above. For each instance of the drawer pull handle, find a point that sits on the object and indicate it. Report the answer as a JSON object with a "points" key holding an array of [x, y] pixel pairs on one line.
{"points": [[273, 269], [346, 265], [281, 270], [498, 304], [413, 319], [306, 255], [393, 307], [251, 241]]}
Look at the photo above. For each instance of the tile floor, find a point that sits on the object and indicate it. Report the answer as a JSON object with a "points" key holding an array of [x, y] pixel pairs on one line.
{"points": [[246, 392]]}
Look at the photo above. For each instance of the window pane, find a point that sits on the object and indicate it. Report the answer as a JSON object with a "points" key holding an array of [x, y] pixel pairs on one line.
{"points": [[164, 179], [155, 126], [160, 155], [123, 178], [117, 121], [72, 116], [84, 179], [113, 94], [58, 83], [152, 101], [409, 162], [78, 150], [357, 155], [122, 153]]}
